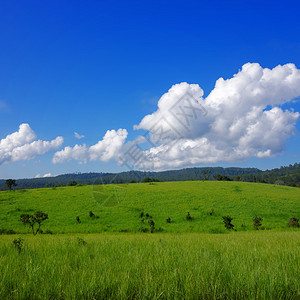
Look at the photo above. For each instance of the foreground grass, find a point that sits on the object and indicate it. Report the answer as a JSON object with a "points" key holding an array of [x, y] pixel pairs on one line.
{"points": [[257, 265], [119, 206]]}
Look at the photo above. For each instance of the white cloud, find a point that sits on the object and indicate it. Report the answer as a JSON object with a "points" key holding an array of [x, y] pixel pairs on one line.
{"points": [[104, 150], [22, 145], [47, 175], [78, 136], [243, 119]]}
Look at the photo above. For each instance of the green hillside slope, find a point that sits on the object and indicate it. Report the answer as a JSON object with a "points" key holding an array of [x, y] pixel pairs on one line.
{"points": [[118, 207]]}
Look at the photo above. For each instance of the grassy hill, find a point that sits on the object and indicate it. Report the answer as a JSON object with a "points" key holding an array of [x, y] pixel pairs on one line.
{"points": [[118, 207]]}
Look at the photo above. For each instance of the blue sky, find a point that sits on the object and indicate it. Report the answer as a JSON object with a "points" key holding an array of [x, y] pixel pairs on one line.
{"points": [[94, 66]]}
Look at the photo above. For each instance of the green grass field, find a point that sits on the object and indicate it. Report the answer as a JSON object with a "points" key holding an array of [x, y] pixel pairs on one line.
{"points": [[252, 265], [187, 260], [119, 206]]}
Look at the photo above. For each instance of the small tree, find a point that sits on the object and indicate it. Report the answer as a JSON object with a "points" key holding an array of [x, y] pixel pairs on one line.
{"points": [[227, 222], [293, 222], [257, 222], [31, 220], [10, 183]]}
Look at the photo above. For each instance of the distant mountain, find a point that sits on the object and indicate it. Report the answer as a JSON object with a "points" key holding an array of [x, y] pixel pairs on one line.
{"points": [[285, 175], [137, 176]]}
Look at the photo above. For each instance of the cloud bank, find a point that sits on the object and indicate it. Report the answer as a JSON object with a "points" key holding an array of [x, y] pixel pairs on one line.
{"points": [[241, 118], [22, 145]]}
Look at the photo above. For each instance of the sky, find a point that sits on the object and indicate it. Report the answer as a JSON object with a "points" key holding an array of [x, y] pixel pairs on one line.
{"points": [[109, 86]]}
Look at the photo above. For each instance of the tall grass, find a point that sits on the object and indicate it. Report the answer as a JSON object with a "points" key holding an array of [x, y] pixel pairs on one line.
{"points": [[255, 265]]}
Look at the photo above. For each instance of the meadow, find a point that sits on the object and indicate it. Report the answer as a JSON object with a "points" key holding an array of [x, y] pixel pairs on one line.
{"points": [[108, 257], [118, 207]]}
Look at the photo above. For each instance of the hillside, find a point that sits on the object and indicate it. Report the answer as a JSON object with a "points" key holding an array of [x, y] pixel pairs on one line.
{"points": [[118, 207]]}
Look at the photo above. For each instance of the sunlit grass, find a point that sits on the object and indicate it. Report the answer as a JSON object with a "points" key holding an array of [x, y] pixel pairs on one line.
{"points": [[119, 206], [255, 265]]}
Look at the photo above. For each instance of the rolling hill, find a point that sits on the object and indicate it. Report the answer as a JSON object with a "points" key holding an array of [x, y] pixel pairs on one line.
{"points": [[118, 208]]}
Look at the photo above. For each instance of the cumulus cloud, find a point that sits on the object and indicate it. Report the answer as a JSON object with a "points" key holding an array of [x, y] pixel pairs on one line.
{"points": [[104, 150], [22, 145], [239, 119], [78, 136]]}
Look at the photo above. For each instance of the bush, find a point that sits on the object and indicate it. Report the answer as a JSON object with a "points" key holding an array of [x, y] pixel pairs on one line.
{"points": [[19, 244], [227, 222], [81, 241], [257, 222], [293, 222], [189, 217]]}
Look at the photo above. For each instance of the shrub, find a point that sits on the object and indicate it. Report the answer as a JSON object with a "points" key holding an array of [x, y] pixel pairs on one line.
{"points": [[19, 244], [81, 241], [91, 214], [257, 222], [78, 219], [189, 217], [227, 222], [293, 222], [168, 220]]}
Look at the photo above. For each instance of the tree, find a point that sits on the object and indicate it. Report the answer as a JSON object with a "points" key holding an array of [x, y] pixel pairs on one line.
{"points": [[205, 174], [227, 222], [72, 183], [10, 183], [31, 220]]}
